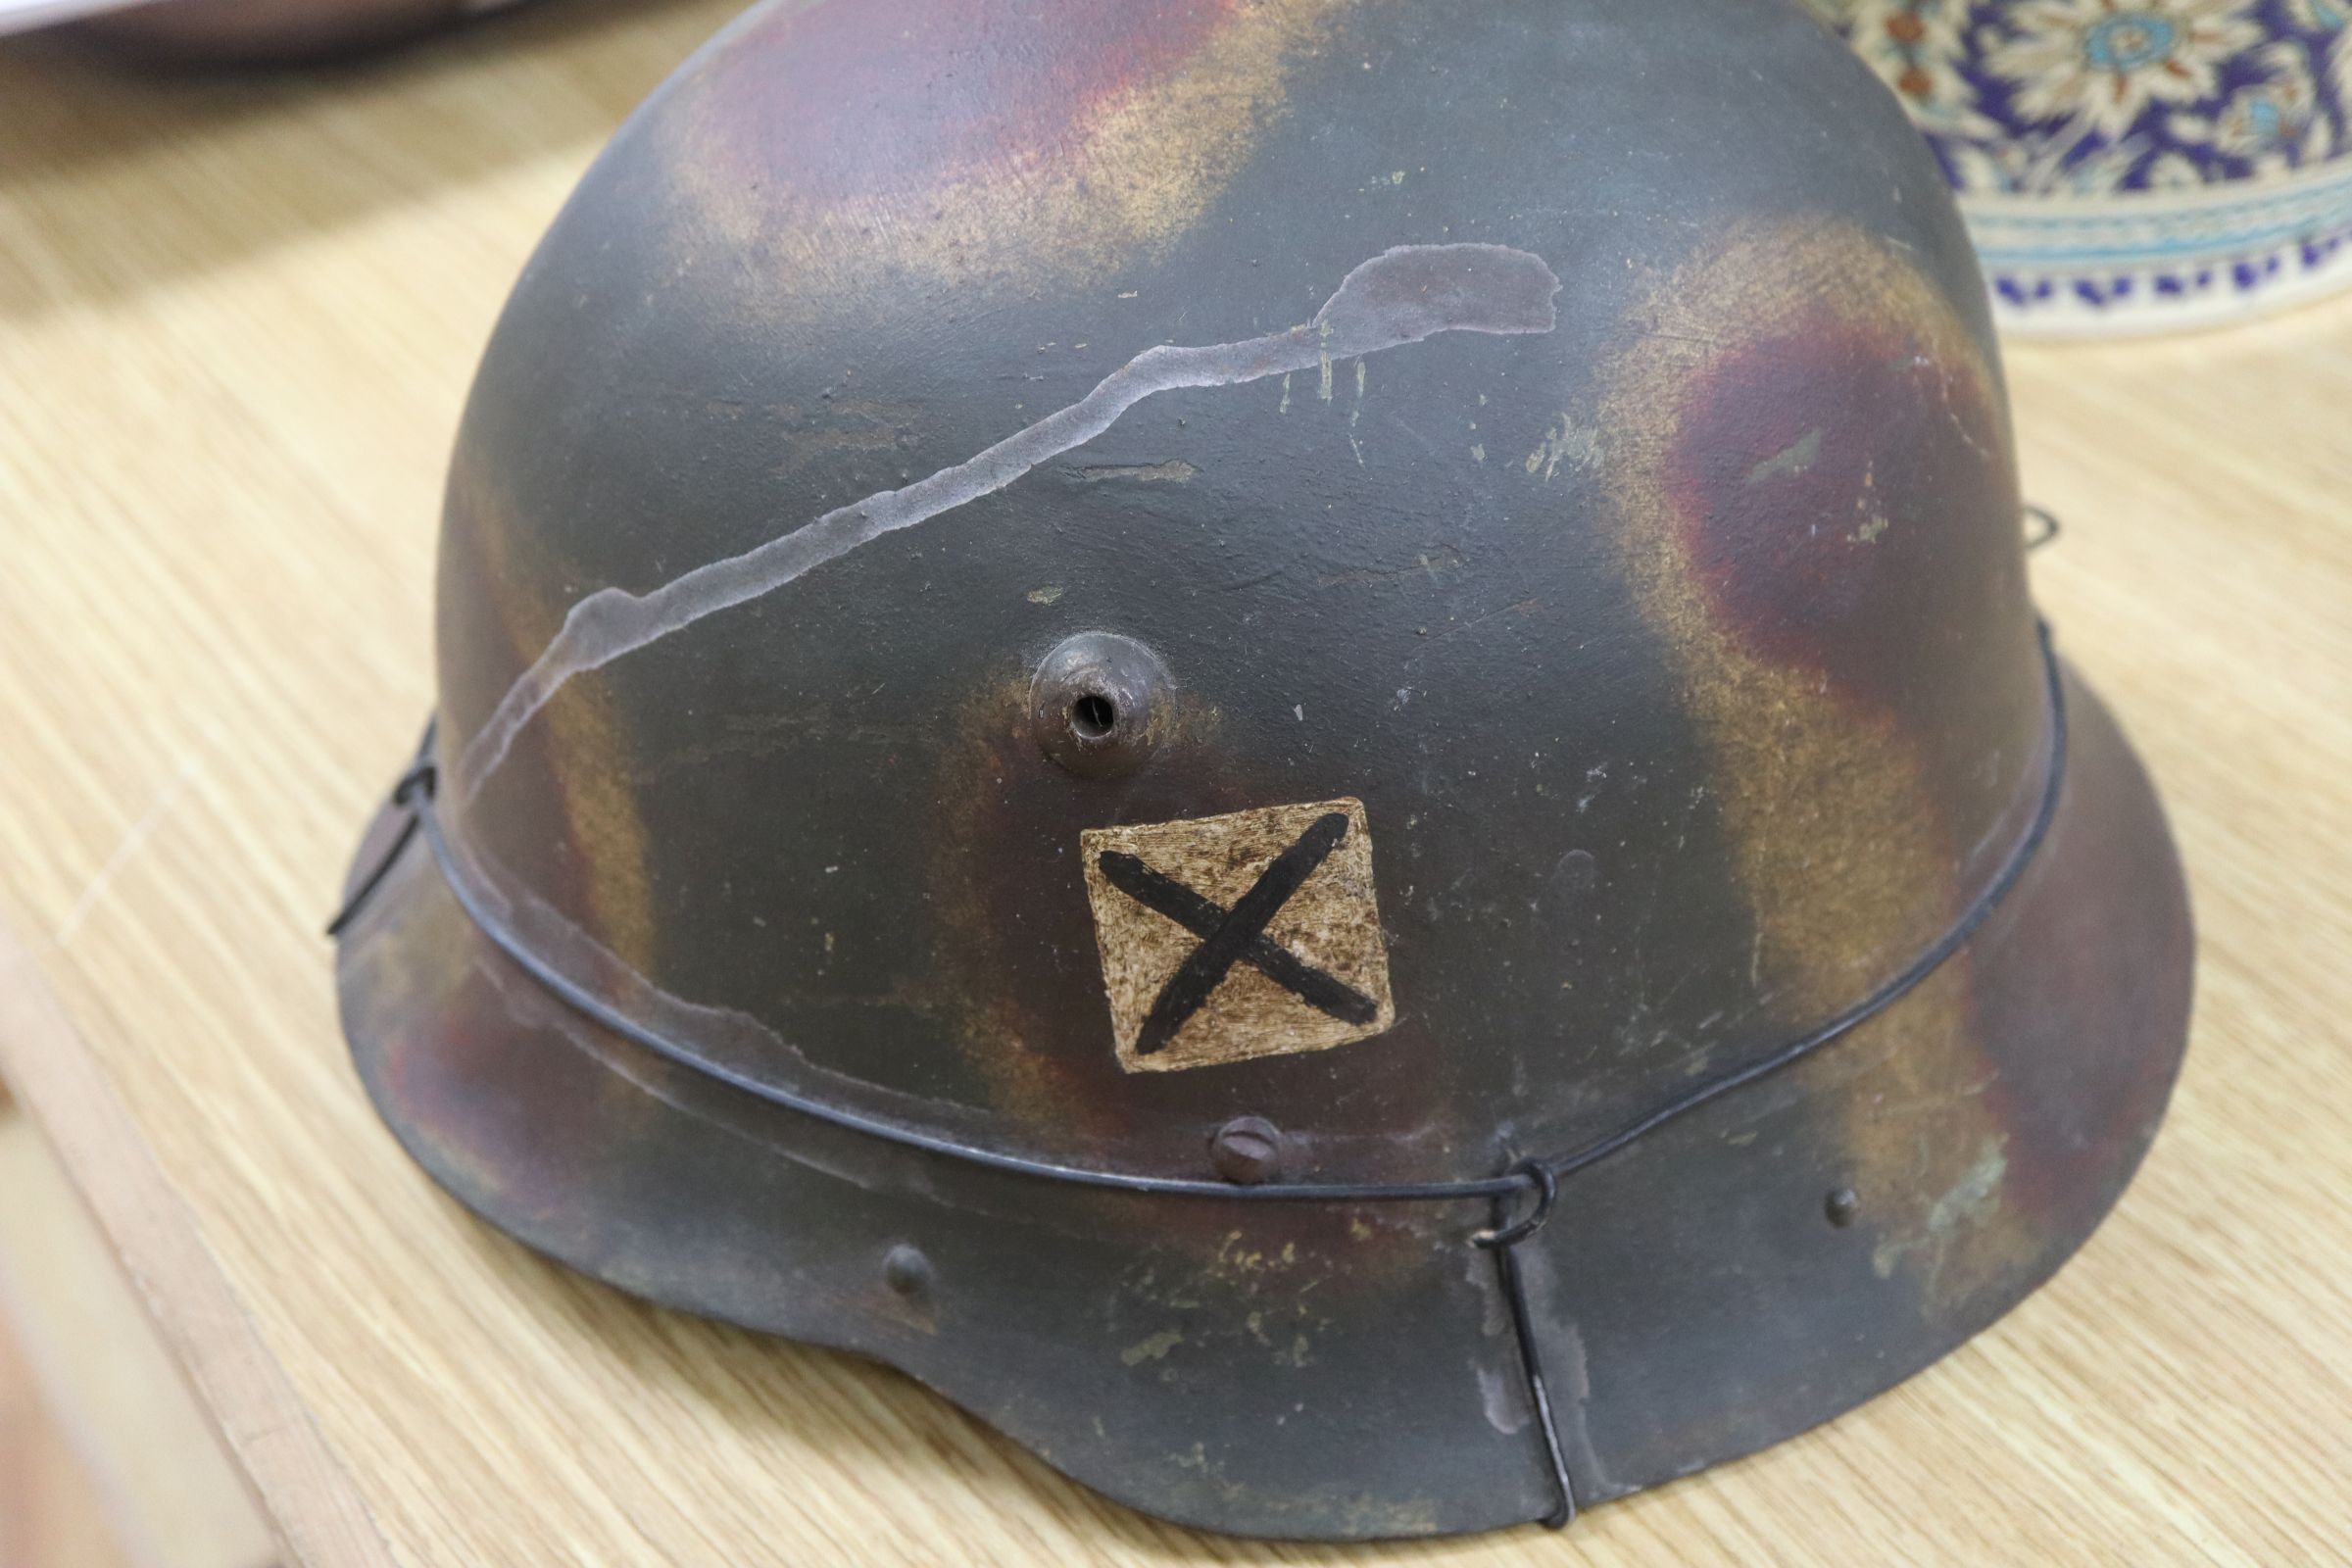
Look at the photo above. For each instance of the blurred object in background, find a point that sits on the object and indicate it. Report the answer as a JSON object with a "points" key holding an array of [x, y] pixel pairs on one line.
{"points": [[50, 1513], [105, 1461], [244, 31], [2132, 165], [23, 16]]}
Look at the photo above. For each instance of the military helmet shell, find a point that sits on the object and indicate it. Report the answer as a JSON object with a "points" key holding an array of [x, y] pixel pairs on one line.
{"points": [[964, 491]]}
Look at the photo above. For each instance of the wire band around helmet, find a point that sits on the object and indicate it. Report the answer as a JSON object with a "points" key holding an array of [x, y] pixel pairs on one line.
{"points": [[1535, 1177]]}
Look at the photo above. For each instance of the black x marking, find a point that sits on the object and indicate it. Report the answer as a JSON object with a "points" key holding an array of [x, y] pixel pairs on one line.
{"points": [[1237, 935]]}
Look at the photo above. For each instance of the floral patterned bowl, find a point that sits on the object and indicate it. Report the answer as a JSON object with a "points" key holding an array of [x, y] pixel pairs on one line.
{"points": [[2129, 164]]}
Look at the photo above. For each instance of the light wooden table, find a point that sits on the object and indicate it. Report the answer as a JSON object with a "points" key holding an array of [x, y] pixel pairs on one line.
{"points": [[237, 321]]}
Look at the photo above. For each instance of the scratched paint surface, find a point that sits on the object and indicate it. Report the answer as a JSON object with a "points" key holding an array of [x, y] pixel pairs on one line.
{"points": [[1399, 297]]}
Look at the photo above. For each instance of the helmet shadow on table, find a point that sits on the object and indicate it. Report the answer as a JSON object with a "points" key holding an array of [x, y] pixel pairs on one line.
{"points": [[120, 174]]}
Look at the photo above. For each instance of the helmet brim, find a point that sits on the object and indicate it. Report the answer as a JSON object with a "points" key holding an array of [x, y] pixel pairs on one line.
{"points": [[1698, 1296]]}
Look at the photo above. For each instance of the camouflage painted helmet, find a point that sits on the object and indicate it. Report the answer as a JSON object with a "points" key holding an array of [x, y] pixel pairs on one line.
{"points": [[1298, 741]]}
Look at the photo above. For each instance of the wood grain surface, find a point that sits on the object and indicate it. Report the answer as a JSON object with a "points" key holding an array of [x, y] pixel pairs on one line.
{"points": [[238, 317]]}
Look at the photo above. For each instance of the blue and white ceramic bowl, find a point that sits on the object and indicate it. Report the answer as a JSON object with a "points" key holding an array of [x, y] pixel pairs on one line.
{"points": [[2132, 165]]}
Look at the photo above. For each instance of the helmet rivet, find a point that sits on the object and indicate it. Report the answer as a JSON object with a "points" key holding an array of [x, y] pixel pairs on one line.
{"points": [[1096, 704], [906, 1270], [1247, 1150], [1841, 1205]]}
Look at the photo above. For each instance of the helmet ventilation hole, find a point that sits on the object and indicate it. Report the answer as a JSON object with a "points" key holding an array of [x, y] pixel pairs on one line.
{"points": [[1099, 704], [1094, 715]]}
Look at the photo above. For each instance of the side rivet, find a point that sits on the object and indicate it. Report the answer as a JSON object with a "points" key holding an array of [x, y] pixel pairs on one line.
{"points": [[1247, 1150], [906, 1270], [1841, 1205]]}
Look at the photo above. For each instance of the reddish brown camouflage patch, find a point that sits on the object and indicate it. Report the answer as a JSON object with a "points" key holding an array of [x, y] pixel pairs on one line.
{"points": [[843, 150], [871, 98], [1803, 399], [1829, 482]]}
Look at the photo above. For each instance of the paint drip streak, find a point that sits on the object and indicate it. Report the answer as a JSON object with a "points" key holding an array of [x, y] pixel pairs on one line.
{"points": [[1404, 295]]}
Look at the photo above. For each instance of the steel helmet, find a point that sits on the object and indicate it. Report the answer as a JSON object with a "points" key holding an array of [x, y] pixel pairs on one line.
{"points": [[1298, 741]]}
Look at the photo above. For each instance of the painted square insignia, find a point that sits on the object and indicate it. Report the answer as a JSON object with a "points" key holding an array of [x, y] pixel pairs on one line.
{"points": [[1252, 934]]}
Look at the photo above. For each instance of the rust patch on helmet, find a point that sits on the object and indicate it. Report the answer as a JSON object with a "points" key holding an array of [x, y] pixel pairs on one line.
{"points": [[974, 140], [1806, 445]]}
